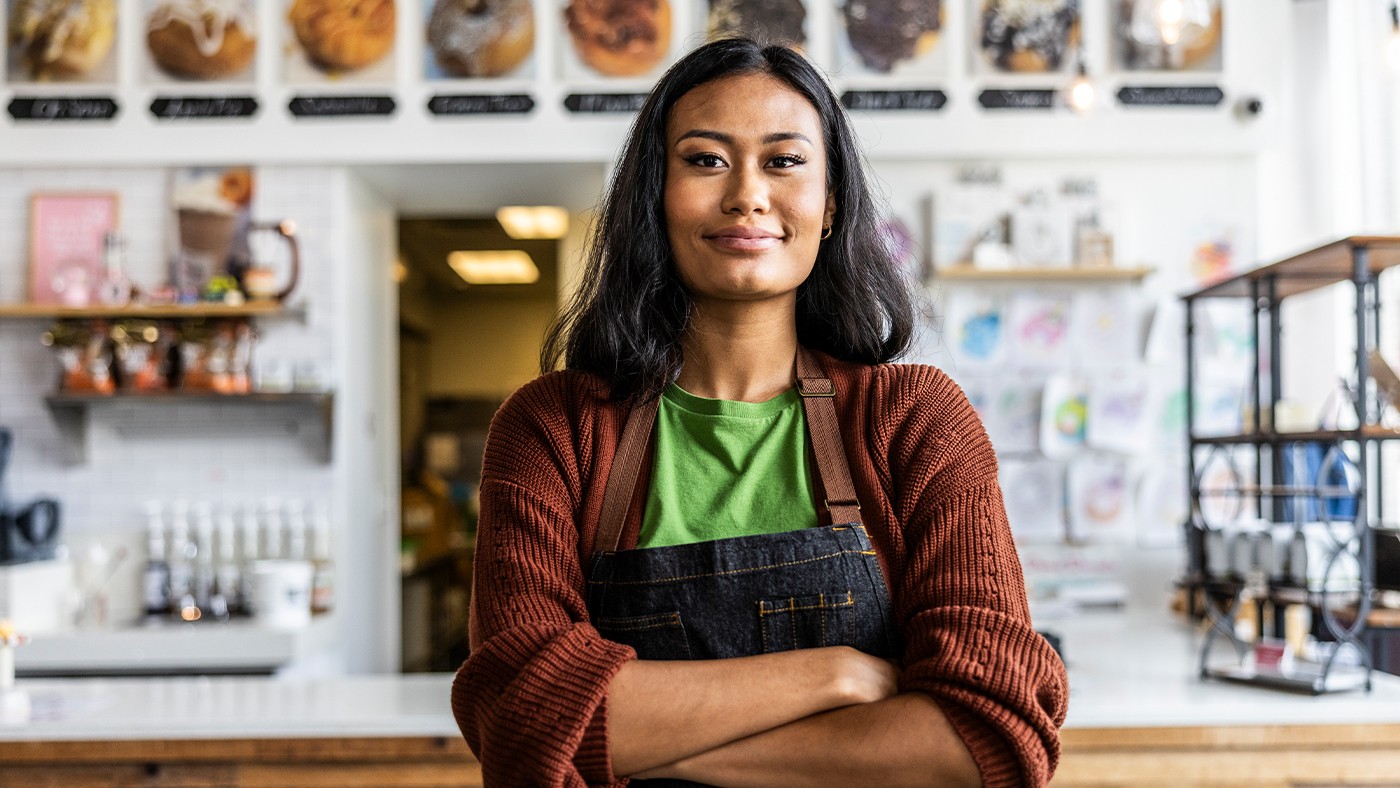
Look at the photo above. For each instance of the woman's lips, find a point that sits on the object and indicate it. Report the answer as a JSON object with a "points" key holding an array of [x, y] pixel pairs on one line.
{"points": [[744, 239]]}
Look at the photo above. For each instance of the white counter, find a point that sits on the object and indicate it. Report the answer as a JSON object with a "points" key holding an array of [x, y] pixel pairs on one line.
{"points": [[1124, 671], [1130, 670], [238, 707]]}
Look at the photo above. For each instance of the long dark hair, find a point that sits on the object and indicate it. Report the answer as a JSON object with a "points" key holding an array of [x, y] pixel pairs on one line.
{"points": [[626, 318]]}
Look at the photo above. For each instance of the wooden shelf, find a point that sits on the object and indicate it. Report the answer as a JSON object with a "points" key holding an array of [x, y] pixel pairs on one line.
{"points": [[969, 273], [150, 311], [1372, 432], [1316, 268], [70, 411], [88, 399]]}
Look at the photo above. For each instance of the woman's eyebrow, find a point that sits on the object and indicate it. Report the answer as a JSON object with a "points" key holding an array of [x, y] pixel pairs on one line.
{"points": [[719, 136]]}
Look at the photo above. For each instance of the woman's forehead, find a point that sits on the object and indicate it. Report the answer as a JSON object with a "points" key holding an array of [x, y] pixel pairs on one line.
{"points": [[744, 101]]}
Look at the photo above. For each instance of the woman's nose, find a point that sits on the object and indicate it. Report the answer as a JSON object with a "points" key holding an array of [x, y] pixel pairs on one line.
{"points": [[746, 191]]}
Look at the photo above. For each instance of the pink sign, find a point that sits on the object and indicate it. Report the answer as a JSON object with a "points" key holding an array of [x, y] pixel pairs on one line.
{"points": [[65, 245]]}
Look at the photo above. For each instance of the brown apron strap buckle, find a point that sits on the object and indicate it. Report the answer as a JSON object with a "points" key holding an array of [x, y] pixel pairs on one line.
{"points": [[816, 387]]}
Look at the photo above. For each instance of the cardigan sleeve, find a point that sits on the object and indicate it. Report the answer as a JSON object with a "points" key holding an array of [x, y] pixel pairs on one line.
{"points": [[961, 599], [530, 699]]}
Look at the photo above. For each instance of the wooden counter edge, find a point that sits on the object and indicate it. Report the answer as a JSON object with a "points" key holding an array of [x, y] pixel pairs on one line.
{"points": [[416, 749]]}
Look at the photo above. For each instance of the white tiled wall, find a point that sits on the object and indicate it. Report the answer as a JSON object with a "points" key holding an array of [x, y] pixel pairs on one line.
{"points": [[222, 453]]}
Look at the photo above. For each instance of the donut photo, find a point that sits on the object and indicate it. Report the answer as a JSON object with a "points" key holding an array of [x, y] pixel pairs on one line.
{"points": [[1026, 36], [779, 21], [479, 38], [62, 41], [616, 38], [890, 37], [1142, 42], [202, 40], [341, 41]]}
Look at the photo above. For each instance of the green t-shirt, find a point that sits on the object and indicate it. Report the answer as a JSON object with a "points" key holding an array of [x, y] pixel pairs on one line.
{"points": [[723, 468]]}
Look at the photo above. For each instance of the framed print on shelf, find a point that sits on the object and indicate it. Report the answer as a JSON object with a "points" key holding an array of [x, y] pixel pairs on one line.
{"points": [[66, 233]]}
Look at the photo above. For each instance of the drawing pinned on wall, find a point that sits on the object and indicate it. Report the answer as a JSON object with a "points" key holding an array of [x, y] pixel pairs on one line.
{"points": [[1015, 416], [1225, 343], [1168, 409], [979, 394], [1161, 505], [1034, 494], [968, 214], [1063, 413], [1222, 479], [977, 329], [1166, 333], [1117, 415], [1213, 254], [1040, 329], [1100, 498], [1103, 330], [903, 250], [1219, 409]]}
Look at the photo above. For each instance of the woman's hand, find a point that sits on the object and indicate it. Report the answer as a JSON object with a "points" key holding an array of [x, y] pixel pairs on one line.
{"points": [[860, 677]]}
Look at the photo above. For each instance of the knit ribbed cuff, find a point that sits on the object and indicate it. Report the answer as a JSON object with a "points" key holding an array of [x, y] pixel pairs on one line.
{"points": [[594, 758], [995, 760]]}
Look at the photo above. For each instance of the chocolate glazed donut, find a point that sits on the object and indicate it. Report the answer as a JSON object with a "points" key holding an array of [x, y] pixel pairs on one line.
{"points": [[885, 32], [620, 38]]}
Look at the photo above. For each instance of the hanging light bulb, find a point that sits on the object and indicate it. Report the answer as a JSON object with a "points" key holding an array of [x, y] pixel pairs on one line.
{"points": [[1080, 96], [1170, 23], [1392, 47]]}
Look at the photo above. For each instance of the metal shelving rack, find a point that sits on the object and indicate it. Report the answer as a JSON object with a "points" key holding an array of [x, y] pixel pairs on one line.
{"points": [[1343, 606]]}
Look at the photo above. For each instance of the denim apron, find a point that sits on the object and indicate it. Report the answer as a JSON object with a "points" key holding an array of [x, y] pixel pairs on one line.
{"points": [[819, 586]]}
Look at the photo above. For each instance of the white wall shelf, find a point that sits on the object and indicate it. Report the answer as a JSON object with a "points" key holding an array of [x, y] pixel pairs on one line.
{"points": [[151, 411], [968, 273]]}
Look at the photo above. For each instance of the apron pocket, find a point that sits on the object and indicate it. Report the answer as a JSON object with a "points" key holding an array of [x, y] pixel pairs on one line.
{"points": [[795, 622], [654, 636]]}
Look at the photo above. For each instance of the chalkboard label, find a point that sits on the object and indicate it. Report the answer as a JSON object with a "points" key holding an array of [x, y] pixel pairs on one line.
{"points": [[78, 108], [340, 106], [1171, 96], [604, 102], [516, 104], [1016, 99], [203, 107], [894, 100]]}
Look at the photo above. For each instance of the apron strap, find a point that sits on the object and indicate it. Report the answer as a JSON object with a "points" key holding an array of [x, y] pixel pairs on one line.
{"points": [[622, 479], [818, 406]]}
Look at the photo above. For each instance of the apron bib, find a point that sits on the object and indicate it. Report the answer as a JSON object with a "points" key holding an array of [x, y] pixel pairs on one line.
{"points": [[815, 587]]}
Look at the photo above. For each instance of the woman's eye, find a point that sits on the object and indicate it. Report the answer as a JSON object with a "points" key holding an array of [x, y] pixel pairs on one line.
{"points": [[705, 160], [788, 160]]}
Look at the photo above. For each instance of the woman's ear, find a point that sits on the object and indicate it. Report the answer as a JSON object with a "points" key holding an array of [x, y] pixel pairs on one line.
{"points": [[830, 214]]}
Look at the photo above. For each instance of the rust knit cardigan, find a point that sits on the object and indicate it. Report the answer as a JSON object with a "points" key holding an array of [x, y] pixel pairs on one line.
{"points": [[531, 699]]}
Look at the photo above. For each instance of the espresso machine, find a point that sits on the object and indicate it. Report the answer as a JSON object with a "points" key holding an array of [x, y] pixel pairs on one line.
{"points": [[29, 531]]}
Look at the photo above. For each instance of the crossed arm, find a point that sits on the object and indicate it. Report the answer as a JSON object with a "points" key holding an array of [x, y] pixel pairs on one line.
{"points": [[829, 716]]}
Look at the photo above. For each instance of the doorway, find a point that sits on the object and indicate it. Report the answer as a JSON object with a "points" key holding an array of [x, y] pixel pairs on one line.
{"points": [[463, 348]]}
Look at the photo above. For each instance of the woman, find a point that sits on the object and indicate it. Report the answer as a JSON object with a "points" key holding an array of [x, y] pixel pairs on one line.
{"points": [[728, 543]]}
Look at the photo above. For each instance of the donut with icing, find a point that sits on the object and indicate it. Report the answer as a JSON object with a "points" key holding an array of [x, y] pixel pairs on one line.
{"points": [[202, 39], [770, 21], [344, 35], [62, 38], [620, 38], [481, 38], [884, 33], [1029, 35]]}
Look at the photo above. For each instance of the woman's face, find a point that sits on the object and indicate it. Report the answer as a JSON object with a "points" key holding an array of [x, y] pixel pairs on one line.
{"points": [[746, 196]]}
